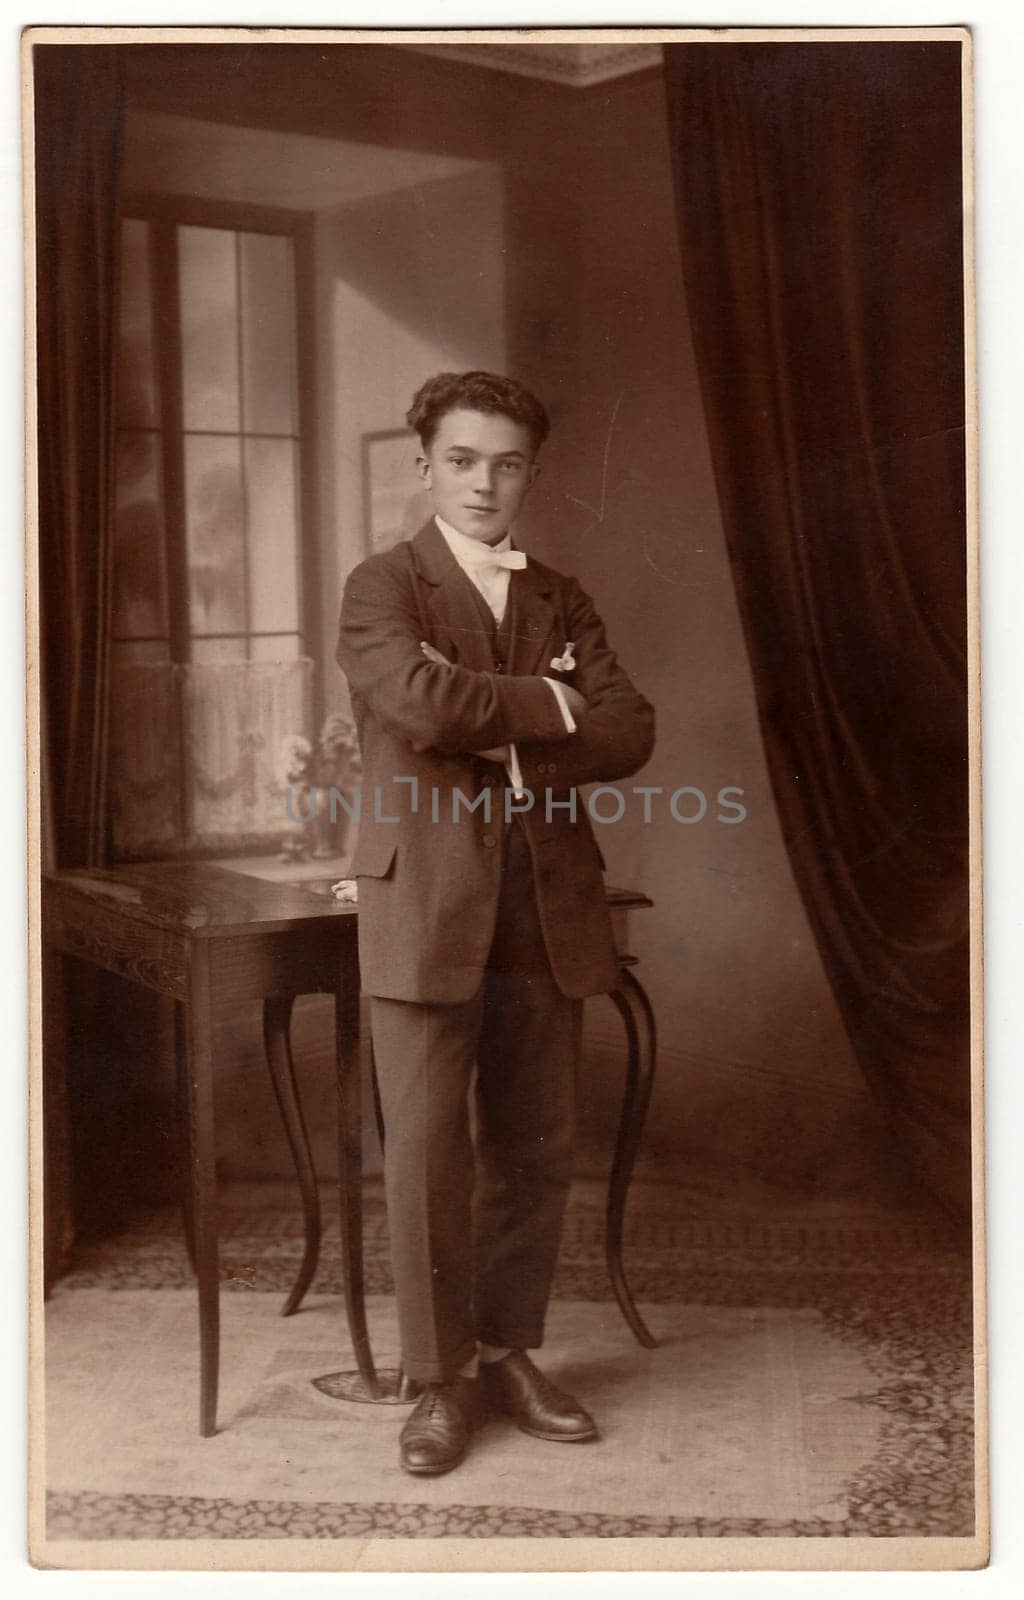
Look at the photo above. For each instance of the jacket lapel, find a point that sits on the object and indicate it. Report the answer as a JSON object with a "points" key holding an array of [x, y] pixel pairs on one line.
{"points": [[534, 622], [454, 611], [460, 632]]}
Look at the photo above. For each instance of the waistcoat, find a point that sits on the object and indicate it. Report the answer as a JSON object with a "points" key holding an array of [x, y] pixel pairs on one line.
{"points": [[500, 634]]}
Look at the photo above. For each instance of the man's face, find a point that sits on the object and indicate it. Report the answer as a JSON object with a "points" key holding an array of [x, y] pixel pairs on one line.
{"points": [[478, 470]]}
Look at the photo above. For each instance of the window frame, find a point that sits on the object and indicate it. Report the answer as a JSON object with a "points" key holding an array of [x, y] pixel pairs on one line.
{"points": [[165, 213]]}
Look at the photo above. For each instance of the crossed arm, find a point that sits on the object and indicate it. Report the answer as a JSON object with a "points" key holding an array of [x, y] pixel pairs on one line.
{"points": [[434, 704], [615, 726], [445, 707], [572, 697]]}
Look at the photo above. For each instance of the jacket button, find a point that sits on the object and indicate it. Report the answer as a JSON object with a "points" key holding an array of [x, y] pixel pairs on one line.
{"points": [[487, 782], [489, 841]]}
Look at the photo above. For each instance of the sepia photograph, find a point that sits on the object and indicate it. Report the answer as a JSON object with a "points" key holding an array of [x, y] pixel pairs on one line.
{"points": [[504, 800]]}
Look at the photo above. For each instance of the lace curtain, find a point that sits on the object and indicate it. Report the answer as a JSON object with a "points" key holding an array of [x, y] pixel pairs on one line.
{"points": [[194, 755]]}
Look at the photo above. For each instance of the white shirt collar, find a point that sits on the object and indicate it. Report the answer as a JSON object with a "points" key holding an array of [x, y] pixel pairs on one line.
{"points": [[469, 552]]}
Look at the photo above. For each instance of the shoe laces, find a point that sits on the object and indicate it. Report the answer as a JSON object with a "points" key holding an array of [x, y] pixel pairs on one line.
{"points": [[436, 1393]]}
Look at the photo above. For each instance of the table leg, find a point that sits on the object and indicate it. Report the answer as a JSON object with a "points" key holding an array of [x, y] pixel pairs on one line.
{"points": [[203, 1179], [350, 1169], [635, 1009], [181, 1088], [276, 1019]]}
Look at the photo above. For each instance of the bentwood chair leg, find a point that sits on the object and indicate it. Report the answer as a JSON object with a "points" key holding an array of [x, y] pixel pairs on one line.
{"points": [[638, 1018], [276, 1020]]}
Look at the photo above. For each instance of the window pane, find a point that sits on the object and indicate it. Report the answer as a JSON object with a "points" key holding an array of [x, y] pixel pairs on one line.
{"points": [[208, 278], [136, 378], [273, 543], [278, 647], [214, 522], [268, 334], [140, 584]]}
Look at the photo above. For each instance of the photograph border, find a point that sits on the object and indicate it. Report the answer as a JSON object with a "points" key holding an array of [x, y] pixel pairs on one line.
{"points": [[533, 1555]]}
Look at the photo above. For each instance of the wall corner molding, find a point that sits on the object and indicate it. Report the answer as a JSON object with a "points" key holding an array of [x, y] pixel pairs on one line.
{"points": [[576, 66]]}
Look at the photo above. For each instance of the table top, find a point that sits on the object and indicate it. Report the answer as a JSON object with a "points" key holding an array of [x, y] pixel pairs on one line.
{"points": [[202, 898], [207, 899]]}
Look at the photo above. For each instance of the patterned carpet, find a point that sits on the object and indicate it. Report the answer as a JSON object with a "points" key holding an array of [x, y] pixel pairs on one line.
{"points": [[893, 1294]]}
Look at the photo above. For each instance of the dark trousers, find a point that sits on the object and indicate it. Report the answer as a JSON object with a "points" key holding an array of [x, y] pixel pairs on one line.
{"points": [[474, 1238]]}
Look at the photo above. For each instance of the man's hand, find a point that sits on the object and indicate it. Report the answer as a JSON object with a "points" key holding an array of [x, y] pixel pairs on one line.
{"points": [[434, 655], [502, 752]]}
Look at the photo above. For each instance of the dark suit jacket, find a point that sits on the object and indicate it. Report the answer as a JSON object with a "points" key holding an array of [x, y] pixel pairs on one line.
{"points": [[428, 889]]}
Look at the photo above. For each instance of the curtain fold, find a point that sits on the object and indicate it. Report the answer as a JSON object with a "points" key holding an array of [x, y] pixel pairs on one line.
{"points": [[77, 155], [77, 103], [819, 192]]}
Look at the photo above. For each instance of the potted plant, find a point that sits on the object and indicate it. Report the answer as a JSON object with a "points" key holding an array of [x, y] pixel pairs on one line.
{"points": [[316, 777]]}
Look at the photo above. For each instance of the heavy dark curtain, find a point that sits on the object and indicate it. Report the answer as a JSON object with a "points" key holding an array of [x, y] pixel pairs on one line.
{"points": [[820, 220], [77, 144]]}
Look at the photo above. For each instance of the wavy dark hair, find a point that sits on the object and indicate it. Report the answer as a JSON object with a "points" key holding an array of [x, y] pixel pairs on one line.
{"points": [[475, 391]]}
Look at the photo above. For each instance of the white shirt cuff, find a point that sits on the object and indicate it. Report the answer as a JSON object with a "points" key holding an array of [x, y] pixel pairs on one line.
{"points": [[563, 705], [515, 772]]}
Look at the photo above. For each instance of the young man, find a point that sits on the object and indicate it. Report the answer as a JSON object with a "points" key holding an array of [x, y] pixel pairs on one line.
{"points": [[484, 691]]}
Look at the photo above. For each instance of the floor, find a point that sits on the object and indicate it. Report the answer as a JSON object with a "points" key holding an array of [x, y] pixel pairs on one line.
{"points": [[813, 1377]]}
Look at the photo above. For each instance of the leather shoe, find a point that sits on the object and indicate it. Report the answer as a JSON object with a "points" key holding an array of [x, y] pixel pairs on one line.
{"points": [[519, 1389], [436, 1435]]}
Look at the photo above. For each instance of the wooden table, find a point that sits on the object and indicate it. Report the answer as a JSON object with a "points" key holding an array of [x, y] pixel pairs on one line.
{"points": [[212, 938]]}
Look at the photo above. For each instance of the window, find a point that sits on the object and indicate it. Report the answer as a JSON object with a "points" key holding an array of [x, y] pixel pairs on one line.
{"points": [[214, 453], [215, 584]]}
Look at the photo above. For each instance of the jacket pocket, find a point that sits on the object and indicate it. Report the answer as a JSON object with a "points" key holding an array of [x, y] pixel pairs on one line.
{"points": [[375, 854]]}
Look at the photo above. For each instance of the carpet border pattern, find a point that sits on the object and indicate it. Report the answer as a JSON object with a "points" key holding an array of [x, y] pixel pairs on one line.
{"points": [[902, 1296]]}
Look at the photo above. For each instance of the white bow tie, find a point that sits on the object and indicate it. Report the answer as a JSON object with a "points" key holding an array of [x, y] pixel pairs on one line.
{"points": [[507, 560]]}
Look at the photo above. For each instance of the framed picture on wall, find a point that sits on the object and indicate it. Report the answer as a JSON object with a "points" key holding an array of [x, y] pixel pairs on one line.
{"points": [[395, 502]]}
